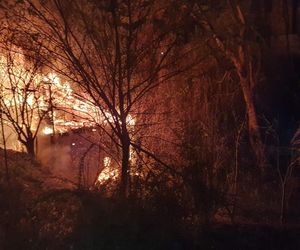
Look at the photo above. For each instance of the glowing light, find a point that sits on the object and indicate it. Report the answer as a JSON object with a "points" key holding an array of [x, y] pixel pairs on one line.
{"points": [[48, 131], [108, 117], [131, 154], [72, 111], [130, 121], [107, 173], [106, 161], [52, 77], [30, 100]]}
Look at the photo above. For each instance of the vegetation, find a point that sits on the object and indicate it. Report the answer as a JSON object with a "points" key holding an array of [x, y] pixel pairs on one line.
{"points": [[149, 124]]}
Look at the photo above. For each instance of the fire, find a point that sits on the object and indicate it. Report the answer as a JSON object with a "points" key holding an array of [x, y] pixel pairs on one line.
{"points": [[21, 91], [107, 173], [65, 109], [31, 95], [106, 161], [48, 131], [53, 78], [67, 103], [130, 120]]}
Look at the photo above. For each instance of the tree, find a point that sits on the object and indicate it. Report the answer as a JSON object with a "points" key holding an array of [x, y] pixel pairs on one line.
{"points": [[285, 171], [23, 105], [4, 141], [115, 51], [244, 54]]}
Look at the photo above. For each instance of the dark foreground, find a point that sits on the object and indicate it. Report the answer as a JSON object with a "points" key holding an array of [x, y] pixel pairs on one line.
{"points": [[38, 211], [105, 224]]}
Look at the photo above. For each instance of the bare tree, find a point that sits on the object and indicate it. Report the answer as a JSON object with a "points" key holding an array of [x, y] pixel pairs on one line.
{"points": [[4, 141], [116, 52], [23, 105], [244, 56], [285, 172]]}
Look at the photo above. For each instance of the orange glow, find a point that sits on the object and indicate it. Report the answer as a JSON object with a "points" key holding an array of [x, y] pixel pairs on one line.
{"points": [[48, 131], [107, 173], [66, 111], [130, 120]]}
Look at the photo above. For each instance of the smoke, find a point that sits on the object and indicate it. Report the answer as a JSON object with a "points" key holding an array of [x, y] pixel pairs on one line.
{"points": [[11, 139], [58, 159]]}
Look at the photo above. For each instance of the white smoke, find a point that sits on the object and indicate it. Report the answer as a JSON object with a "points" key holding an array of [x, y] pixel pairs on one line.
{"points": [[57, 158]]}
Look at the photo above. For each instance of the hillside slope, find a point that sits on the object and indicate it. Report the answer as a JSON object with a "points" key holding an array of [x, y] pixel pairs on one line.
{"points": [[36, 207]]}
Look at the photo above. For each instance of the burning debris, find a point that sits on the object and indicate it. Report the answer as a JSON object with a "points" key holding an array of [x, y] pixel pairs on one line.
{"points": [[50, 107], [48, 131]]}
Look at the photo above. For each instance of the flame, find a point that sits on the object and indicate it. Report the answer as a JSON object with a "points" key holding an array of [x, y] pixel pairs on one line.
{"points": [[106, 161], [49, 91], [107, 173], [48, 131], [130, 120], [52, 78]]}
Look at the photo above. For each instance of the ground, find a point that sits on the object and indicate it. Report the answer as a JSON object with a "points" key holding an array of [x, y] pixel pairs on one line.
{"points": [[40, 211]]}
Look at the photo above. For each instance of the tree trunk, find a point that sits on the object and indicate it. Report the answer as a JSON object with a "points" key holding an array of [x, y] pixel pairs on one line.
{"points": [[283, 203], [253, 127], [30, 147], [236, 171], [125, 166], [4, 148]]}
